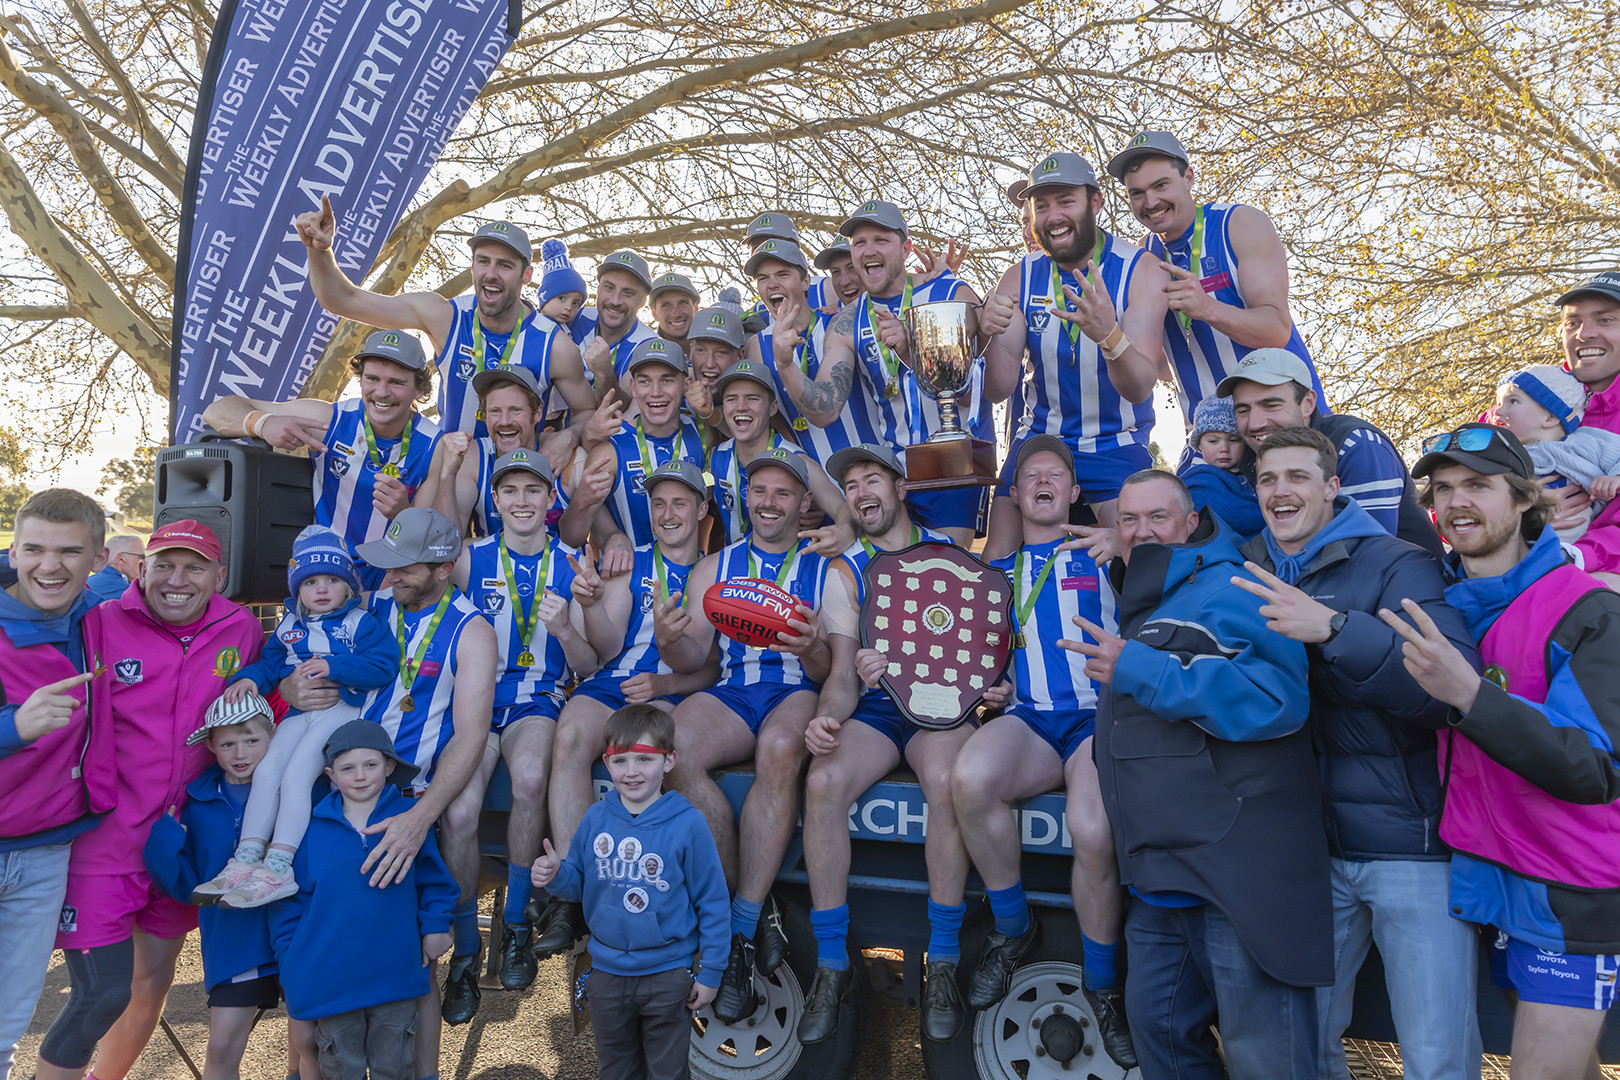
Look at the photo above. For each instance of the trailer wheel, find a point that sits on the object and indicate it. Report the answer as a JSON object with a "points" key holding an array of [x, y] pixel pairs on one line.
{"points": [[1042, 1030], [765, 1046]]}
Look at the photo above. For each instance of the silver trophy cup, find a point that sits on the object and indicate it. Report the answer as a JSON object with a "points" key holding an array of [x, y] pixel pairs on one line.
{"points": [[942, 358]]}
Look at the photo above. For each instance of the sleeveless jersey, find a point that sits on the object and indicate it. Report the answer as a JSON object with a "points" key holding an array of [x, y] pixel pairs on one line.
{"points": [[583, 329], [731, 487], [458, 405], [1204, 357], [420, 734], [1068, 391], [1050, 679], [856, 557], [628, 500], [743, 665], [345, 475], [854, 425], [640, 652], [487, 588]]}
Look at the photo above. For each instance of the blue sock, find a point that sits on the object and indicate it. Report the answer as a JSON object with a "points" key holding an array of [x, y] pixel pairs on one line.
{"points": [[945, 931], [744, 916], [1010, 909], [831, 928], [1099, 963], [465, 928], [519, 885]]}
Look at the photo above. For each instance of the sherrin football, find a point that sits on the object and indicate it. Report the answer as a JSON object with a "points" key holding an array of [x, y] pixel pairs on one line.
{"points": [[749, 610]]}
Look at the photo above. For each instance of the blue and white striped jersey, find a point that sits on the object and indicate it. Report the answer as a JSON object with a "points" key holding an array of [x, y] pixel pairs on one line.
{"points": [[1050, 679], [491, 592], [457, 363], [628, 500], [731, 487], [902, 413], [640, 651], [346, 472], [805, 576], [423, 731], [583, 330], [855, 425]]}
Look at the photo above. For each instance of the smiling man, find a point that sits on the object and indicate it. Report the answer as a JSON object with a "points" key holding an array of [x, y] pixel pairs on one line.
{"points": [[1589, 329], [674, 301], [609, 331], [458, 484]]}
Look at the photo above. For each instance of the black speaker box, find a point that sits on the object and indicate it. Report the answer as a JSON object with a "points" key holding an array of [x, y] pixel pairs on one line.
{"points": [[256, 501]]}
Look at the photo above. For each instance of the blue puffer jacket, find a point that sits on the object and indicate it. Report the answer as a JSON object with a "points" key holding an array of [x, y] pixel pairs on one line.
{"points": [[1372, 724]]}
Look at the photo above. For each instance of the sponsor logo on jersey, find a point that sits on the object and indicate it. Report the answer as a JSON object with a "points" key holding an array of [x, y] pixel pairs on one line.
{"points": [[128, 670], [226, 662]]}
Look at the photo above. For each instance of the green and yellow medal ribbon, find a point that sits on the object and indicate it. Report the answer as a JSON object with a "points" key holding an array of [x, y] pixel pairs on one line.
{"points": [[662, 574], [1026, 606], [647, 462], [785, 573], [408, 668], [478, 343], [1057, 287], [526, 620], [389, 468], [1195, 261], [891, 361], [871, 551]]}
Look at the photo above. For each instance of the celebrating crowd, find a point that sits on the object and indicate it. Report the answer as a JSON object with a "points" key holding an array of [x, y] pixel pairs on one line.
{"points": [[1300, 699]]}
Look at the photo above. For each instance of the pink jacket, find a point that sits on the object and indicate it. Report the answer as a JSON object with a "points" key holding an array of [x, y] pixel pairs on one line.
{"points": [[157, 691]]}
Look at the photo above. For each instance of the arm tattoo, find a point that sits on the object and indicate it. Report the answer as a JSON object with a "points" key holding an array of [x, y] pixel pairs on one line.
{"points": [[824, 398], [843, 322]]}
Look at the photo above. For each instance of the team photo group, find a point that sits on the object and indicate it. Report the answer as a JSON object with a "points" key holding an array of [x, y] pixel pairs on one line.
{"points": [[1300, 698]]}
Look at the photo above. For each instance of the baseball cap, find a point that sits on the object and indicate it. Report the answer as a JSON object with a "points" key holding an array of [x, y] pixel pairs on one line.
{"points": [[718, 323], [658, 351], [1015, 191], [491, 377], [503, 232], [420, 534], [878, 212], [827, 254], [1062, 170], [782, 251], [1146, 144], [185, 533], [1485, 448], [368, 735], [745, 369], [1268, 367], [1606, 285], [678, 469], [222, 713], [781, 457], [772, 226], [1036, 443], [628, 261], [839, 461], [396, 346], [523, 460], [673, 282]]}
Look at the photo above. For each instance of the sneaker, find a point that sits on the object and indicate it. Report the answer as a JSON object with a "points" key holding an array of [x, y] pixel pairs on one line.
{"points": [[942, 1012], [261, 887], [234, 876], [770, 938], [736, 1000], [1108, 1006], [518, 966], [461, 991], [564, 924], [1002, 955], [821, 1004]]}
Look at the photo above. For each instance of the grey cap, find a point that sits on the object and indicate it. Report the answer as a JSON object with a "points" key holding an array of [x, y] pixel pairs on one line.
{"points": [[1034, 444], [839, 461], [1063, 170], [630, 263], [681, 470], [673, 282], [718, 324], [745, 369], [369, 735], [222, 713], [1606, 285], [878, 212], [1268, 367], [827, 254], [420, 534], [782, 251], [781, 457], [395, 346], [491, 377], [1015, 191], [523, 460], [503, 232], [657, 351], [772, 225], [1146, 144]]}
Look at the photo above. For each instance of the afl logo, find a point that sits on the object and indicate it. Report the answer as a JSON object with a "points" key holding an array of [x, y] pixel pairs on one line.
{"points": [[296, 634]]}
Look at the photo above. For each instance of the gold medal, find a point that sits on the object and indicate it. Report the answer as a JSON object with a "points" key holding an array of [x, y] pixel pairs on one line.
{"points": [[801, 424], [525, 658], [1019, 641], [407, 704], [891, 389], [390, 469]]}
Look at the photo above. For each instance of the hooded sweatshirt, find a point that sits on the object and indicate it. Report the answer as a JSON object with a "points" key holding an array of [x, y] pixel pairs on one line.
{"points": [[360, 654]]}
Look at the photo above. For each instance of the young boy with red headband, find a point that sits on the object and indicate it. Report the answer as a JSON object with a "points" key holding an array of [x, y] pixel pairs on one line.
{"points": [[645, 866]]}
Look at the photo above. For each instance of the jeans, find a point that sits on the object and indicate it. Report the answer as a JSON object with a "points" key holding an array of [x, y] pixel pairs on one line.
{"points": [[642, 1026], [33, 882], [1189, 967], [1431, 966]]}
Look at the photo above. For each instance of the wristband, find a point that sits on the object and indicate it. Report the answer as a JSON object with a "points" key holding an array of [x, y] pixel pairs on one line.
{"points": [[253, 416], [1114, 344], [257, 429]]}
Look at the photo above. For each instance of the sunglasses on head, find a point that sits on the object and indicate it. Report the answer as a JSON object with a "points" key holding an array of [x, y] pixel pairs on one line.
{"points": [[1471, 439]]}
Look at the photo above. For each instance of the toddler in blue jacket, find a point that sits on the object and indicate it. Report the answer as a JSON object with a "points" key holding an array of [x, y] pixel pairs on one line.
{"points": [[1212, 472], [645, 866], [325, 634]]}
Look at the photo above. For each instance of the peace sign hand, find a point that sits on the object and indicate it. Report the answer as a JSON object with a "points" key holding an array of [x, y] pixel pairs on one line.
{"points": [[587, 586], [1434, 662], [1093, 309], [785, 337], [1186, 293], [1100, 657], [1287, 610]]}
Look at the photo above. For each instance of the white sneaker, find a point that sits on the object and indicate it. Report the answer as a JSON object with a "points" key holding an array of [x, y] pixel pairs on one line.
{"points": [[262, 886], [234, 876]]}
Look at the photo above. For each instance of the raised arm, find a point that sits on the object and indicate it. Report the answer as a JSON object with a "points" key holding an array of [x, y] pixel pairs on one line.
{"points": [[1262, 271], [820, 400], [683, 635], [286, 425], [1003, 321]]}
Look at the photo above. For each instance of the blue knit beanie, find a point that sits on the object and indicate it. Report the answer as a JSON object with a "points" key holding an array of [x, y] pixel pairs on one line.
{"points": [[1212, 414], [557, 273], [319, 550], [1554, 389]]}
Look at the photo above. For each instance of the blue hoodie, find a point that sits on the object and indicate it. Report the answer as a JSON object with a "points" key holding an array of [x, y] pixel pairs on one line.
{"points": [[180, 855], [360, 652], [344, 945], [653, 890], [1227, 493]]}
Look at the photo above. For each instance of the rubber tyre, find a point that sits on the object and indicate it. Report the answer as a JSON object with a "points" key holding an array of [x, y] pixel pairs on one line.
{"points": [[976, 1051], [772, 1041]]}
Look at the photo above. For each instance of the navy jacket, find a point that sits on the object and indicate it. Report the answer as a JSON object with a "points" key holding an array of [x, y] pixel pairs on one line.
{"points": [[1204, 759], [180, 855], [344, 945], [1372, 723]]}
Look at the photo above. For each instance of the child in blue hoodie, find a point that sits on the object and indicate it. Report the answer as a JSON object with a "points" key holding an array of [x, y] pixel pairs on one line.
{"points": [[1212, 472], [645, 866], [325, 634], [354, 959]]}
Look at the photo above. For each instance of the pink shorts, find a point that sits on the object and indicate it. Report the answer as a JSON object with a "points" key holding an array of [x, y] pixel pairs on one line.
{"points": [[104, 909]]}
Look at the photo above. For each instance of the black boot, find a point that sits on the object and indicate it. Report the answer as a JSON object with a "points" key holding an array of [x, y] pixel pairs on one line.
{"points": [[1108, 1006], [461, 991], [942, 1012], [822, 1003], [736, 1000], [1002, 955], [770, 938], [518, 965], [564, 924]]}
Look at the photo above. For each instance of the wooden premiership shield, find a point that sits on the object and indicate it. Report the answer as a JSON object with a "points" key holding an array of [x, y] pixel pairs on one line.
{"points": [[944, 620]]}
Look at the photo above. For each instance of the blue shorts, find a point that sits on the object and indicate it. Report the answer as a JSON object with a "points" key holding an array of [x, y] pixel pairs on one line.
{"points": [[754, 703], [878, 711], [605, 689], [1062, 731], [950, 508], [1100, 473], [1575, 980], [504, 716]]}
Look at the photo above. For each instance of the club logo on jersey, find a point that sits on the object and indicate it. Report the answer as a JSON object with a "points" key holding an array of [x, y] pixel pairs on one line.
{"points": [[1039, 320], [128, 670], [648, 588], [227, 662], [466, 369], [68, 921], [723, 494], [494, 603]]}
